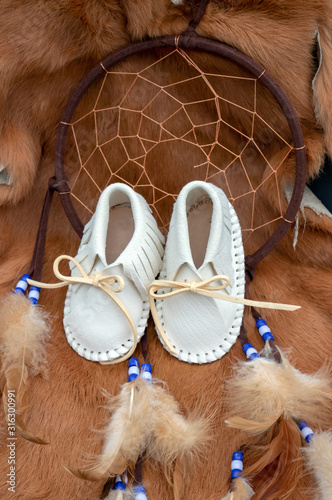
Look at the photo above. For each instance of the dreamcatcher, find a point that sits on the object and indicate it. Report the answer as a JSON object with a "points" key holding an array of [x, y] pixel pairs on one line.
{"points": [[170, 104]]}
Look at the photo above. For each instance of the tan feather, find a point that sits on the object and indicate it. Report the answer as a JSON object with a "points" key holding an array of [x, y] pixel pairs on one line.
{"points": [[319, 461], [276, 461], [146, 417], [178, 481], [24, 330], [241, 490], [120, 495], [262, 390], [250, 426], [127, 434], [269, 396], [176, 439]]}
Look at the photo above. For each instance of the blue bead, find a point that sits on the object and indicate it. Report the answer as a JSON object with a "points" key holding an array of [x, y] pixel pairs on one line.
{"points": [[22, 285], [33, 296], [260, 322], [307, 433], [146, 367], [132, 377], [133, 362], [267, 336], [302, 425], [139, 488], [309, 438], [238, 455], [236, 473], [119, 485], [246, 346], [253, 355]]}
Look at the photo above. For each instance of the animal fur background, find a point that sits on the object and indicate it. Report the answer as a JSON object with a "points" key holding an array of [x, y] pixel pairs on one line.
{"points": [[45, 48]]}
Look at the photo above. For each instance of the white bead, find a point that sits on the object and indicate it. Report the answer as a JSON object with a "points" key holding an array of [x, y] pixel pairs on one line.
{"points": [[147, 376], [250, 351], [34, 294], [22, 284], [140, 496], [264, 329], [306, 432], [133, 370], [237, 464]]}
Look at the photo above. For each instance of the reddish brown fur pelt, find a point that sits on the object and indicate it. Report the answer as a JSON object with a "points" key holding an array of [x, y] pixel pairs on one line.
{"points": [[46, 46]]}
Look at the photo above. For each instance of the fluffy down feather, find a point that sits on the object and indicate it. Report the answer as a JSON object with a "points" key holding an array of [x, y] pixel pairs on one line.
{"points": [[127, 434], [175, 438], [262, 390], [319, 457], [24, 330], [147, 418], [241, 490]]}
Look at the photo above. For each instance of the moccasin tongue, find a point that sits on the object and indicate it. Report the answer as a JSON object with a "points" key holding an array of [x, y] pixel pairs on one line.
{"points": [[220, 245]]}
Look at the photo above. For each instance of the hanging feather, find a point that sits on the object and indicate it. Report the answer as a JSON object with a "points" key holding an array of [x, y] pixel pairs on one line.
{"points": [[269, 394], [127, 434], [178, 481], [120, 491], [241, 490], [318, 456], [276, 461], [24, 330], [120, 495], [146, 417], [139, 492], [176, 440], [263, 390]]}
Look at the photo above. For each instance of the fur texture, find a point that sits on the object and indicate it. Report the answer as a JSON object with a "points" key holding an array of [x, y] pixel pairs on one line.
{"points": [[45, 49], [322, 85], [241, 490], [24, 331], [319, 456]]}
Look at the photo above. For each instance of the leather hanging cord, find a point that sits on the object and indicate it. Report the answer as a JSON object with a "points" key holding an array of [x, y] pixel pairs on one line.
{"points": [[36, 266], [275, 351], [144, 347], [138, 472], [196, 14]]}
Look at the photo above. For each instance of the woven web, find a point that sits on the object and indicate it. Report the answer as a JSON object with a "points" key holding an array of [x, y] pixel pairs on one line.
{"points": [[161, 120]]}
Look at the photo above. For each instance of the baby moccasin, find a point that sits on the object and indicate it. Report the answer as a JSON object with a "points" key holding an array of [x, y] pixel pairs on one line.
{"points": [[203, 272], [120, 255]]}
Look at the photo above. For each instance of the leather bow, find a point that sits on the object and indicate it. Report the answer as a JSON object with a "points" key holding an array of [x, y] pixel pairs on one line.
{"points": [[201, 288], [111, 285]]}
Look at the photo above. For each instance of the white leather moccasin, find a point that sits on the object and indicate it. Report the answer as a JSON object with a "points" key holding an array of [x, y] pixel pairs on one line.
{"points": [[203, 272], [120, 254]]}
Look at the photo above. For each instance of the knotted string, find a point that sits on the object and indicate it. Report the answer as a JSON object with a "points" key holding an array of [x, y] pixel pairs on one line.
{"points": [[111, 285], [201, 288]]}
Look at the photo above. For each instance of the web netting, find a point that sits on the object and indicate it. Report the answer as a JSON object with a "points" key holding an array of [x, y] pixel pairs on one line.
{"points": [[161, 119]]}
